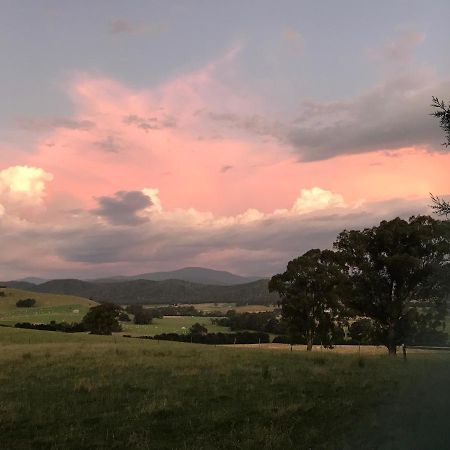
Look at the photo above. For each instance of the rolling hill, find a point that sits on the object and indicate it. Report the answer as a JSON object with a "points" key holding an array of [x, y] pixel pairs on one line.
{"points": [[156, 292], [43, 300]]}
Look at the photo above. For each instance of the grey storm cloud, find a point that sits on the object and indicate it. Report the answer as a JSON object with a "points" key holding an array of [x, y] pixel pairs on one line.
{"points": [[123, 208], [394, 115], [259, 246], [254, 124], [35, 124], [150, 123]]}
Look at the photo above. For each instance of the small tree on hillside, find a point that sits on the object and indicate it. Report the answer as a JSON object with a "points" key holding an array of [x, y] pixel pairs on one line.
{"points": [[143, 317], [102, 319], [311, 296], [198, 328], [26, 303], [396, 272]]}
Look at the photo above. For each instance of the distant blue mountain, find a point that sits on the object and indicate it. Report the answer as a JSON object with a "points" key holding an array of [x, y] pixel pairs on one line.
{"points": [[192, 274]]}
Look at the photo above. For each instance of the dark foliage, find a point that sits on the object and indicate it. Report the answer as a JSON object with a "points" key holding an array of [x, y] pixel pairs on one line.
{"points": [[442, 112], [311, 291], [198, 328], [215, 338], [52, 326], [26, 303], [364, 331], [123, 317], [440, 206], [103, 319], [142, 316], [178, 310], [396, 270], [266, 322]]}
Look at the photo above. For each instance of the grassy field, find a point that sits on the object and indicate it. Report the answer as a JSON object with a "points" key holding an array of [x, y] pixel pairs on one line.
{"points": [[70, 309], [8, 302], [62, 391], [48, 307]]}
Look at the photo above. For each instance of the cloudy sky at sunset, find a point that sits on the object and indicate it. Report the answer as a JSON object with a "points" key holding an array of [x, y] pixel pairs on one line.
{"points": [[151, 135]]}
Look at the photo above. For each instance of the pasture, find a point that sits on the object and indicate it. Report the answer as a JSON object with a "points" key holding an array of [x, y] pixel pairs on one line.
{"points": [[70, 309], [48, 307], [62, 391]]}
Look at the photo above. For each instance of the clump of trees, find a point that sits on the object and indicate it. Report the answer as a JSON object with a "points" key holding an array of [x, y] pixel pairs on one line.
{"points": [[266, 322], [26, 303], [177, 310], [142, 316], [388, 283], [103, 319]]}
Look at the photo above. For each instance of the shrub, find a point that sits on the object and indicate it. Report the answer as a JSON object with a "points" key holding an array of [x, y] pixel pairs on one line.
{"points": [[26, 303], [143, 317], [198, 328]]}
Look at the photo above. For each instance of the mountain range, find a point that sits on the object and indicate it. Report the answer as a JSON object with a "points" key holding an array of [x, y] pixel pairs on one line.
{"points": [[188, 285], [192, 274]]}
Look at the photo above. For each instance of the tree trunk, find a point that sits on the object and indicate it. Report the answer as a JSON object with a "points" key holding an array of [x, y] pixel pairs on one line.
{"points": [[391, 345], [309, 342]]}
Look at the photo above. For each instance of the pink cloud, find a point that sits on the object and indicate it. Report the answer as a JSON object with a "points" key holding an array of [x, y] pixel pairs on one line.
{"points": [[184, 158], [172, 143]]}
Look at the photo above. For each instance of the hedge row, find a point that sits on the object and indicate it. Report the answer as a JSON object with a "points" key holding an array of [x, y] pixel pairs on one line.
{"points": [[244, 337], [64, 327]]}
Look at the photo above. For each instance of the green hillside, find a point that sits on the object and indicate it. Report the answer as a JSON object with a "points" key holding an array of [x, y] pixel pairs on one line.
{"points": [[43, 300], [48, 307]]}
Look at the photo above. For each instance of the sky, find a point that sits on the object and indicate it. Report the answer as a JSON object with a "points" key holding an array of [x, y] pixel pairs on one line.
{"points": [[151, 135]]}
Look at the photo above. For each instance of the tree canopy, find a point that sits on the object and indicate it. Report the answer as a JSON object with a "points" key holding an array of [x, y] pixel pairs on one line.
{"points": [[396, 273], [102, 319], [311, 296]]}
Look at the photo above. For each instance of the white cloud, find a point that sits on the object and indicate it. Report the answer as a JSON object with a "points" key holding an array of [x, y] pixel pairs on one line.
{"points": [[23, 187], [153, 194], [315, 199]]}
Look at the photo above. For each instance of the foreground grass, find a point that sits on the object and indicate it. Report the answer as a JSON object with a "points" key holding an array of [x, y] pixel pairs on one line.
{"points": [[60, 391]]}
